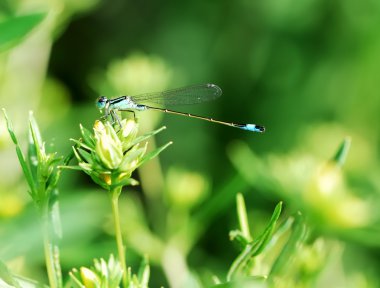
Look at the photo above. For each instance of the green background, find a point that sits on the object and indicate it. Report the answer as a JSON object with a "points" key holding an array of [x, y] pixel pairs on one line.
{"points": [[309, 71]]}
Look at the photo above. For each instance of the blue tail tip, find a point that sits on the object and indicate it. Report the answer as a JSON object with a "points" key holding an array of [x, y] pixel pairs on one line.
{"points": [[254, 128], [260, 129]]}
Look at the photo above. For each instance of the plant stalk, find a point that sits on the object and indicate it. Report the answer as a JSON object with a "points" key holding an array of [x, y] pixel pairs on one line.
{"points": [[48, 251], [115, 192]]}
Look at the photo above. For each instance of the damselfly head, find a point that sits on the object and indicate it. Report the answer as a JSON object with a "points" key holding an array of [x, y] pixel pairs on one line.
{"points": [[101, 102]]}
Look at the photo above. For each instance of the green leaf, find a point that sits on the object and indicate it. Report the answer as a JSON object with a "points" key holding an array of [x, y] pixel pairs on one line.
{"points": [[146, 136], [13, 29], [55, 216], [247, 282], [341, 154], [298, 235], [265, 237], [242, 215], [25, 168], [36, 134], [77, 167], [86, 156], [126, 182], [238, 236], [154, 153], [52, 181], [97, 180], [76, 153], [257, 246], [81, 144], [34, 146], [10, 128], [88, 137], [30, 283], [144, 273], [68, 157]]}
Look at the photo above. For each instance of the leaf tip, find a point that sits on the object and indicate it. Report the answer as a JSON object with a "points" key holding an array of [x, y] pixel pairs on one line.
{"points": [[341, 155]]}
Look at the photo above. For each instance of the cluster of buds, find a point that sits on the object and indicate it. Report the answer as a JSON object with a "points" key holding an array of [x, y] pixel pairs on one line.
{"points": [[109, 157]]}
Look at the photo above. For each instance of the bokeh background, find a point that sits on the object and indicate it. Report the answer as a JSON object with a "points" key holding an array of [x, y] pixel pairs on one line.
{"points": [[309, 71]]}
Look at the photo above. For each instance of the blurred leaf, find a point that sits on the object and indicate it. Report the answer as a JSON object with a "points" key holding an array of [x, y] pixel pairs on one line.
{"points": [[290, 249], [5, 8], [7, 277], [7, 280], [242, 215], [15, 28], [127, 182], [55, 215], [252, 168], [215, 206], [247, 282], [30, 283], [144, 273], [341, 154]]}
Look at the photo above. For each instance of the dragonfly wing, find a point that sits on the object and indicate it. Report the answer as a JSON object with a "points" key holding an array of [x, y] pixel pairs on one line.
{"points": [[181, 96]]}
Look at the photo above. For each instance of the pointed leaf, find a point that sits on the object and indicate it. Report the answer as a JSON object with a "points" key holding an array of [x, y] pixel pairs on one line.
{"points": [[126, 182], [242, 215], [10, 128], [238, 236], [88, 137], [154, 153], [25, 168], [146, 136], [68, 157], [35, 145], [255, 248], [71, 167], [341, 154], [297, 236], [53, 179], [35, 130], [81, 144], [144, 273], [265, 237], [87, 157]]}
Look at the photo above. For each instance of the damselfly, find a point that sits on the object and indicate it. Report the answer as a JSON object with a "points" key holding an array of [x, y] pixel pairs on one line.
{"points": [[180, 96]]}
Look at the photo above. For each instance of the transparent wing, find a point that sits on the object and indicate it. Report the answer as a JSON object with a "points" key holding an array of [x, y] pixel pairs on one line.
{"points": [[181, 96]]}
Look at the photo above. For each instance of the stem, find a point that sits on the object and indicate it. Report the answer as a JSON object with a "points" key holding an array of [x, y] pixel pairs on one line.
{"points": [[115, 192], [48, 249]]}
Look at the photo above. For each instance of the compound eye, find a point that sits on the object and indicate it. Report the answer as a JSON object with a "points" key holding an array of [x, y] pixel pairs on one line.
{"points": [[101, 102]]}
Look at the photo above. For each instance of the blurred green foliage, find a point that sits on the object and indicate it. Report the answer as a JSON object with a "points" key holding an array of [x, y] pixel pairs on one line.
{"points": [[307, 71]]}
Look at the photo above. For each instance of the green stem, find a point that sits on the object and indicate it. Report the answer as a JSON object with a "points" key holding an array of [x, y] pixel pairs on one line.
{"points": [[48, 249], [115, 192]]}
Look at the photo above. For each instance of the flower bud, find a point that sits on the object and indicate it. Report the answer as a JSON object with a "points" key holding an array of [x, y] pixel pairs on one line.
{"points": [[108, 146], [128, 132], [89, 278]]}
